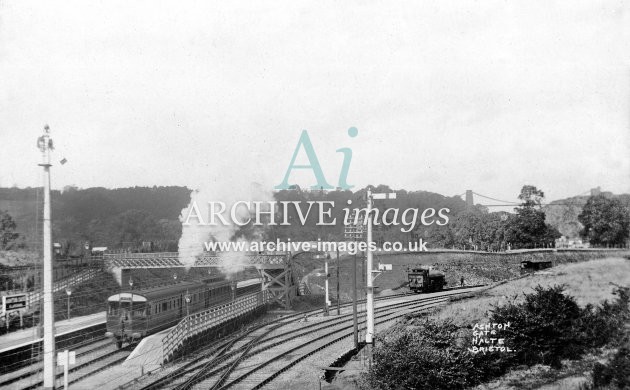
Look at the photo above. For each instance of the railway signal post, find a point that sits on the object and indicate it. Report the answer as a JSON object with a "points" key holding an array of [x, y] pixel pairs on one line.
{"points": [[354, 230], [45, 145], [369, 334]]}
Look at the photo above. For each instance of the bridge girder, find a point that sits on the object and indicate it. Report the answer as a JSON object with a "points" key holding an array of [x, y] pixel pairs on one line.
{"points": [[171, 260]]}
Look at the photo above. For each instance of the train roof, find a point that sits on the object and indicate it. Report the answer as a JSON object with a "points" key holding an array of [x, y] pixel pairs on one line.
{"points": [[156, 292], [431, 271], [248, 282]]}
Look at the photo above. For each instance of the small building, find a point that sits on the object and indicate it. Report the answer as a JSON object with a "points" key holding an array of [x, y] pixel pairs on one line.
{"points": [[531, 266]]}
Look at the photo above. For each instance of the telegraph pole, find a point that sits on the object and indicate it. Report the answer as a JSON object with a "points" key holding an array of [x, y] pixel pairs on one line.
{"points": [[45, 145]]}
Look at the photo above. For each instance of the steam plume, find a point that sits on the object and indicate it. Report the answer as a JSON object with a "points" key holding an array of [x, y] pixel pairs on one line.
{"points": [[191, 243]]}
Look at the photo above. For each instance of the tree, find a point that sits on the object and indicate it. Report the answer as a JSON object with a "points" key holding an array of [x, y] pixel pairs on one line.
{"points": [[132, 227], [606, 221], [531, 196], [528, 228], [8, 235]]}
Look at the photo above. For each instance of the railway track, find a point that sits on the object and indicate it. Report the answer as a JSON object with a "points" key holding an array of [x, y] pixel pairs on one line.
{"points": [[31, 370], [171, 379], [254, 372], [226, 355], [93, 354], [226, 369]]}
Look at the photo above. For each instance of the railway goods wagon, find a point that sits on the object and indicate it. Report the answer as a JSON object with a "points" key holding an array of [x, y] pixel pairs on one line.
{"points": [[132, 315], [425, 280]]}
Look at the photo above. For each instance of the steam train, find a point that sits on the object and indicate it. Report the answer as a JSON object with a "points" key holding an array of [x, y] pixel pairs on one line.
{"points": [[132, 315], [425, 280]]}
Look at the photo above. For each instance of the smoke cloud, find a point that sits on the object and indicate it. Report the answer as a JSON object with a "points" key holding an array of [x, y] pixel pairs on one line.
{"points": [[194, 234]]}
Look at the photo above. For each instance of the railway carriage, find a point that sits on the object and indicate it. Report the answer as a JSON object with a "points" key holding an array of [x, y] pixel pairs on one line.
{"points": [[132, 315], [425, 280]]}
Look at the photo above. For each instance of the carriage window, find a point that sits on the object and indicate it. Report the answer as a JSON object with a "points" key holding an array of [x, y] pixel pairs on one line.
{"points": [[113, 308], [164, 306], [139, 310]]}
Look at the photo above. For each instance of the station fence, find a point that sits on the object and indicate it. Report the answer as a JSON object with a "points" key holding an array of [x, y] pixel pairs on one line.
{"points": [[196, 323]]}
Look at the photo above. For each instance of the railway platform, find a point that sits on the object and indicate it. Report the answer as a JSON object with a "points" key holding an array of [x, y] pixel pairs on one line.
{"points": [[26, 337], [149, 354]]}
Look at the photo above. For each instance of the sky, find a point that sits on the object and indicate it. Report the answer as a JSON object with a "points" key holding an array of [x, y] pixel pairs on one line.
{"points": [[446, 95]]}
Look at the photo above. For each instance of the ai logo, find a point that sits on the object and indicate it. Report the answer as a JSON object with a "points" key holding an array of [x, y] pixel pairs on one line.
{"points": [[305, 142]]}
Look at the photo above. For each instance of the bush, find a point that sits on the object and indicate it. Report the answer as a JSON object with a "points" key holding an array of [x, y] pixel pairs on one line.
{"points": [[429, 356], [545, 328], [617, 372], [606, 323]]}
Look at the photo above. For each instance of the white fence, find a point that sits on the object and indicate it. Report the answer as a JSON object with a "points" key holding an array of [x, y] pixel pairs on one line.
{"points": [[198, 322]]}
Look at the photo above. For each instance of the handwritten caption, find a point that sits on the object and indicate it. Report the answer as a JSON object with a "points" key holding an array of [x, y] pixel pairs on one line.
{"points": [[486, 338]]}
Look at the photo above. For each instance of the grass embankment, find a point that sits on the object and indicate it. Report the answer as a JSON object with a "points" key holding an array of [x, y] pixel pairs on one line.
{"points": [[476, 268], [589, 282], [562, 322]]}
